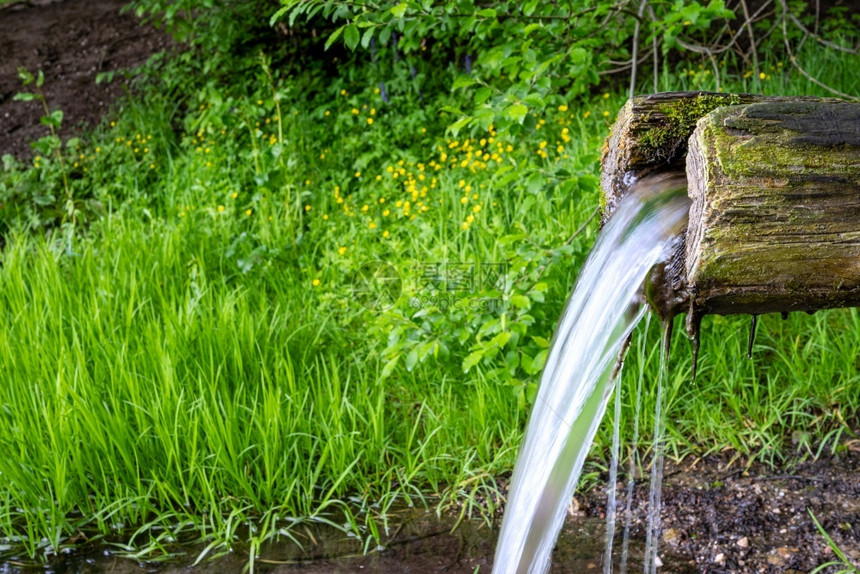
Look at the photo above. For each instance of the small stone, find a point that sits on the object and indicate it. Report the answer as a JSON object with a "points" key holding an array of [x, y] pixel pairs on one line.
{"points": [[744, 542], [657, 561], [774, 560], [672, 536], [780, 556], [720, 559]]}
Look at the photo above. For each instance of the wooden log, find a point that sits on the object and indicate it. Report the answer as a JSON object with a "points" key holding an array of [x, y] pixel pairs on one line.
{"points": [[650, 135], [775, 219]]}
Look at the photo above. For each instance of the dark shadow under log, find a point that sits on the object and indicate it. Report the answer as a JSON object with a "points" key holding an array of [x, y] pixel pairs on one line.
{"points": [[775, 183]]}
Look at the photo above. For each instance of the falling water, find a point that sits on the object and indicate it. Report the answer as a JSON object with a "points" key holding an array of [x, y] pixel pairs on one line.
{"points": [[577, 381], [632, 463], [655, 497], [612, 483]]}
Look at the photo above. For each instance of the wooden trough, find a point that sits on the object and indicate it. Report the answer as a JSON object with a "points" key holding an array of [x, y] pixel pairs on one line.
{"points": [[775, 187]]}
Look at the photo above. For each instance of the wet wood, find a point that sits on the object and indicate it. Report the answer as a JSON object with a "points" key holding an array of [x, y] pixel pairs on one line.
{"points": [[775, 219], [650, 135]]}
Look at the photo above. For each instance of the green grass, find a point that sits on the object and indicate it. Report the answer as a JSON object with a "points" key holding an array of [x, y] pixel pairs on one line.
{"points": [[196, 355]]}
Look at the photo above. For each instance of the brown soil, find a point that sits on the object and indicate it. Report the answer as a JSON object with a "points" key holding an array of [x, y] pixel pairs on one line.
{"points": [[71, 41], [716, 518]]}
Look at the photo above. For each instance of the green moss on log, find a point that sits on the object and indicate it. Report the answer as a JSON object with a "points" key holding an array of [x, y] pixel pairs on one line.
{"points": [[666, 141], [776, 206]]}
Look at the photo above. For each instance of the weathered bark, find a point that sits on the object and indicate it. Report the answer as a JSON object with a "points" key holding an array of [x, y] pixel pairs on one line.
{"points": [[775, 183], [650, 135], [775, 220]]}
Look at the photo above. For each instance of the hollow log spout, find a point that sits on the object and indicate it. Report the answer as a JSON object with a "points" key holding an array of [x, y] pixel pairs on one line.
{"points": [[775, 186]]}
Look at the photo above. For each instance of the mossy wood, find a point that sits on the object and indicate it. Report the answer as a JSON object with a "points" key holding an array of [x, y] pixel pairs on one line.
{"points": [[775, 183], [775, 219], [651, 133]]}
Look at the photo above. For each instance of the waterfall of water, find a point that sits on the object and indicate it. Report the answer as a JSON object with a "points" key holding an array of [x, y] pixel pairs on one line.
{"points": [[576, 383]]}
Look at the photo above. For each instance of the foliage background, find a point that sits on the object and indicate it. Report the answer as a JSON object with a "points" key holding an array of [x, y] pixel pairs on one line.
{"points": [[182, 350]]}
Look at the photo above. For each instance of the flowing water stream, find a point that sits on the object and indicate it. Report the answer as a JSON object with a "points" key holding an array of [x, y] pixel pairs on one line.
{"points": [[578, 378]]}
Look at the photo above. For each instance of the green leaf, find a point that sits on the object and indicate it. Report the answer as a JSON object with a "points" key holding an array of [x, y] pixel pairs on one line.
{"points": [[541, 342], [399, 10], [40, 79], [517, 112], [578, 55], [482, 95], [539, 360], [526, 363], [350, 36], [334, 36], [389, 366], [485, 117], [472, 359], [25, 76], [384, 35], [279, 14], [459, 124], [501, 339], [520, 301], [24, 97], [487, 13], [411, 359], [54, 119], [366, 37], [463, 82]]}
